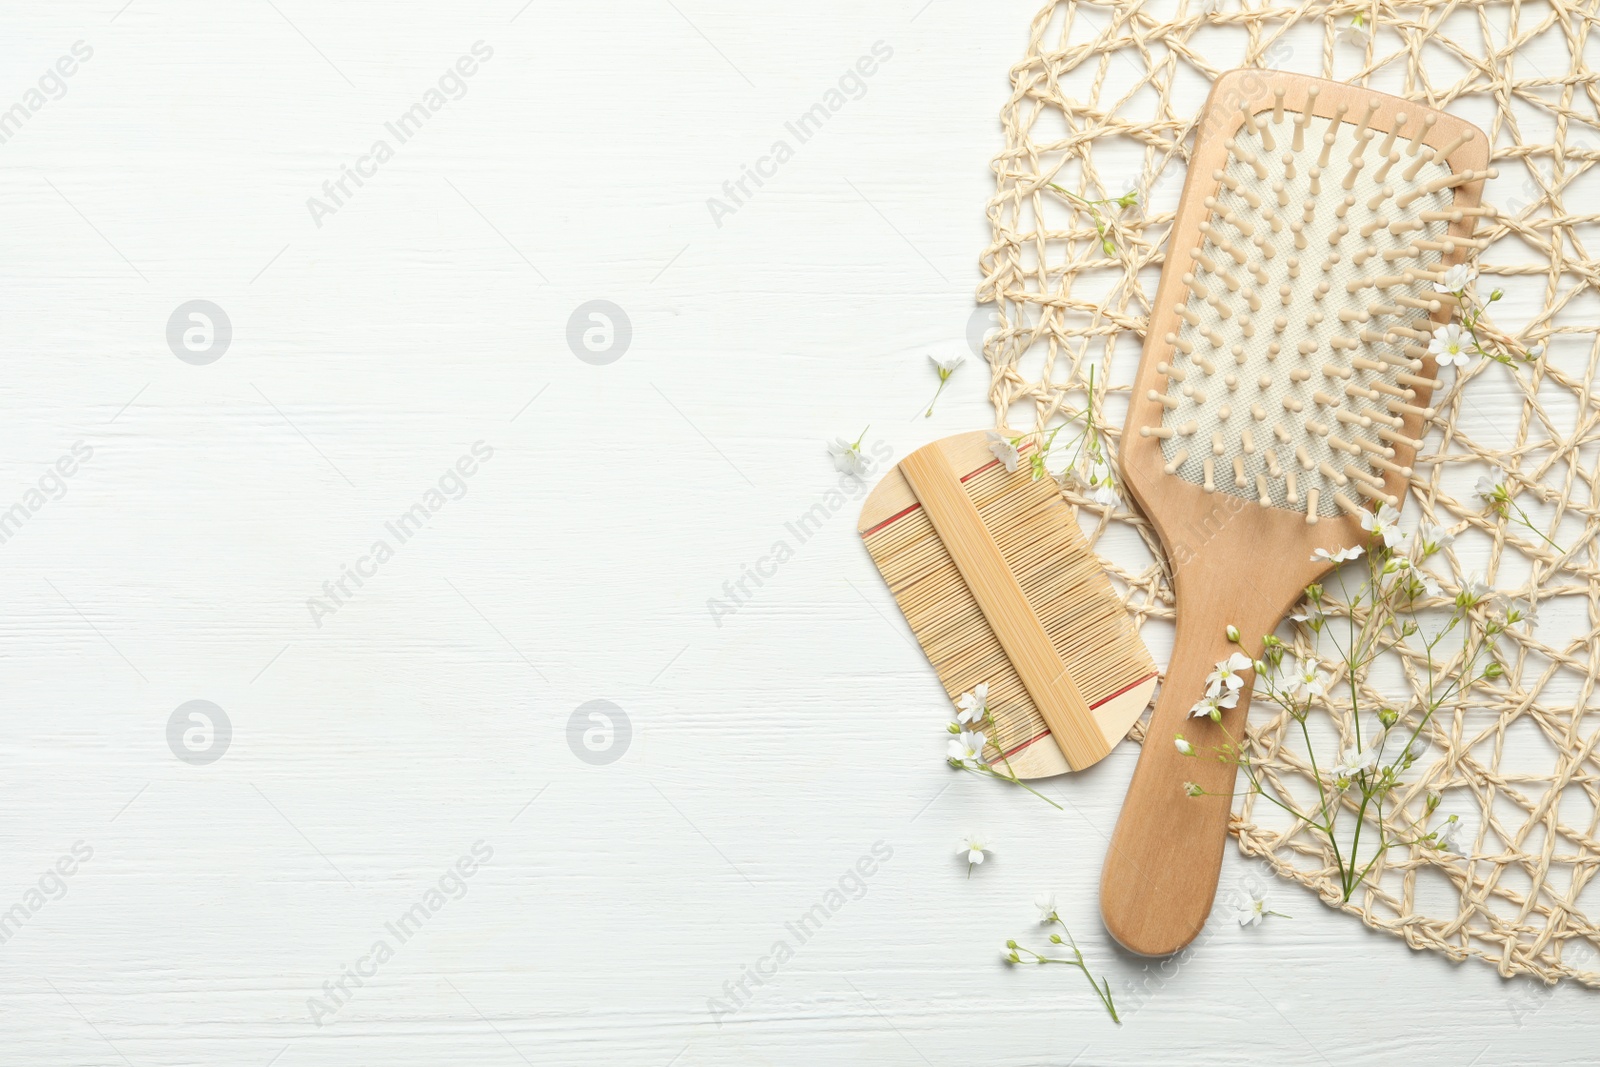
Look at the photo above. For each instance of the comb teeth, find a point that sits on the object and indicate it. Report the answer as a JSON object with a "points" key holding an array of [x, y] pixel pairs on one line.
{"points": [[1331, 356], [1062, 580]]}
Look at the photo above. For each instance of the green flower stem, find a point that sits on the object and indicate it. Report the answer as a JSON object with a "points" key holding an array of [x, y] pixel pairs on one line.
{"points": [[1101, 987], [1378, 616]]}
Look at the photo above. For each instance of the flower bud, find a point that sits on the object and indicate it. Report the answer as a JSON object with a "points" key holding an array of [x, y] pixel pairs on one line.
{"points": [[953, 727], [1388, 716], [1493, 670], [1011, 944], [1233, 634]]}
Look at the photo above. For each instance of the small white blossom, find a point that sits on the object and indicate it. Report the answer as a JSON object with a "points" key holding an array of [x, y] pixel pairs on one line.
{"points": [[1213, 707], [1356, 32], [1447, 347], [1456, 279], [947, 365], [1183, 746], [968, 746], [1309, 680], [974, 704], [1474, 589], [1365, 760], [1448, 836], [847, 457], [1385, 523], [1312, 616], [1414, 577], [1322, 555], [1101, 484], [973, 846], [1523, 611], [1193, 790], [1251, 909], [1431, 537], [1046, 903], [1004, 451], [1228, 677]]}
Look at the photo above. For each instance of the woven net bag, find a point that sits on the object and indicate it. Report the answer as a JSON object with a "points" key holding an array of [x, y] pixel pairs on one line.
{"points": [[1103, 104]]}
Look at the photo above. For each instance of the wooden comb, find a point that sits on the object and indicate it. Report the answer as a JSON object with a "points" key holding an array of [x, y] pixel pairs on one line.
{"points": [[998, 584], [1282, 392]]}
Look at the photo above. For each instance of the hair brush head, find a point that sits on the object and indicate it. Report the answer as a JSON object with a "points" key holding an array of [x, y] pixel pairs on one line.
{"points": [[1291, 367]]}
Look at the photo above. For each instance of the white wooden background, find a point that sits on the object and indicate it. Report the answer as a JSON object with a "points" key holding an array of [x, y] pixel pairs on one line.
{"points": [[430, 712]]}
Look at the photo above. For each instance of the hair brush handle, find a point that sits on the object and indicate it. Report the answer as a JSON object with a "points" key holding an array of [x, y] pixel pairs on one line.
{"points": [[1160, 873]]}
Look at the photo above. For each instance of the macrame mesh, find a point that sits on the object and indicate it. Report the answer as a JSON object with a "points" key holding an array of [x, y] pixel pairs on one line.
{"points": [[1103, 103]]}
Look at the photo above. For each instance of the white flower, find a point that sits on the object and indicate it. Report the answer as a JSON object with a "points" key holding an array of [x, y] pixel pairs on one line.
{"points": [[1227, 677], [1309, 681], [1535, 351], [973, 847], [1004, 451], [1101, 484], [1183, 746], [1456, 279], [1365, 760], [1046, 903], [1213, 707], [1312, 616], [1251, 909], [1413, 577], [1354, 32], [1385, 523], [1447, 837], [1447, 348], [847, 457], [1523, 611], [1322, 555], [1431, 537], [973, 704], [968, 746], [1474, 588], [1193, 790], [1492, 490], [945, 367]]}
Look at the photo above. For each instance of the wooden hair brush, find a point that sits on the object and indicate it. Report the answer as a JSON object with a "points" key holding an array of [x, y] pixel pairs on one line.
{"points": [[1282, 393], [998, 584]]}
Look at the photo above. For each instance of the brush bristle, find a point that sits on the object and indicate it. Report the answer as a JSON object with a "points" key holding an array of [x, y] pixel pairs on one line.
{"points": [[1306, 318], [1061, 578]]}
